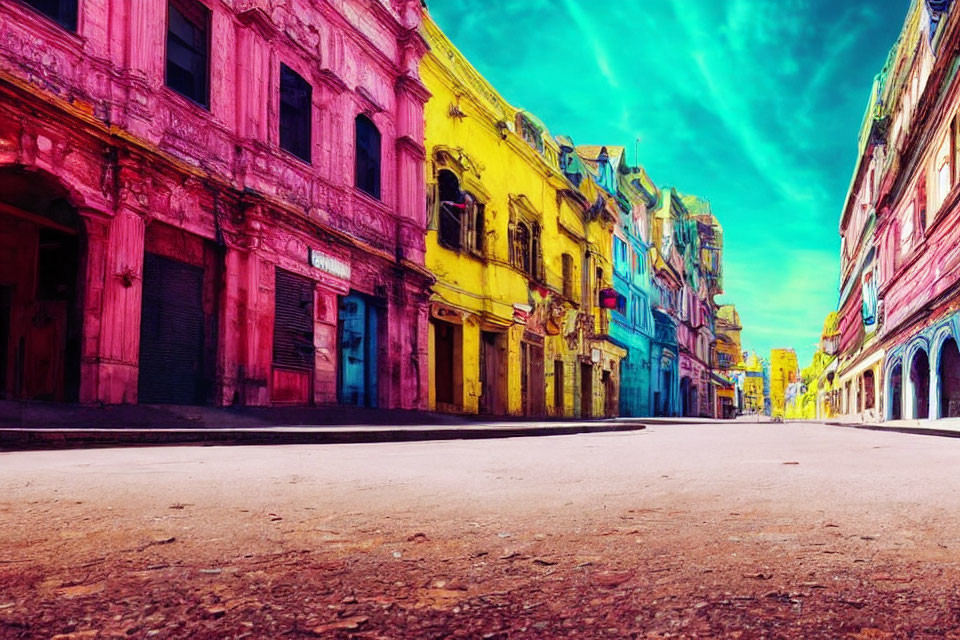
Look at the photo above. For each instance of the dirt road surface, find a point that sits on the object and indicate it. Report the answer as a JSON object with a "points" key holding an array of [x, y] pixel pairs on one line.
{"points": [[681, 531]]}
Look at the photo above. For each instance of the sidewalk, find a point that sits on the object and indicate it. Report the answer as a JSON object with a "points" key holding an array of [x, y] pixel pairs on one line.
{"points": [[946, 427], [31, 426]]}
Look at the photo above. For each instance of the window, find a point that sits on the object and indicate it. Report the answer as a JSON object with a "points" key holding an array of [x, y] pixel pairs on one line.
{"points": [[526, 248], [522, 248], [567, 265], [296, 102], [63, 12], [461, 224], [368, 157], [620, 259], [530, 132], [622, 305], [586, 291], [942, 174], [906, 230], [640, 311], [451, 208], [475, 232], [188, 28], [868, 289]]}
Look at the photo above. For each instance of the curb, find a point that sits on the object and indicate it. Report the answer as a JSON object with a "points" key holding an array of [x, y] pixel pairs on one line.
{"points": [[914, 431], [16, 439]]}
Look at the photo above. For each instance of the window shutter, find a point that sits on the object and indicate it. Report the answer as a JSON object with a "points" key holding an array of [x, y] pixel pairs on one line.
{"points": [[478, 228], [467, 221], [536, 259], [432, 207]]}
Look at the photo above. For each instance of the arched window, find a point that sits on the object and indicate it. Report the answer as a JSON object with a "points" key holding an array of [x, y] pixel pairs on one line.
{"points": [[460, 215], [368, 156], [526, 249], [451, 209]]}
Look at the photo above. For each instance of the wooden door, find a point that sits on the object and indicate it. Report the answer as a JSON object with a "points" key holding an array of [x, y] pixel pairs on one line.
{"points": [[586, 390], [536, 382]]}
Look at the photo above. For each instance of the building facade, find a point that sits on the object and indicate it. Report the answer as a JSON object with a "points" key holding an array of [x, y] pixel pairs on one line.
{"points": [[686, 259], [754, 386], [784, 375], [179, 227], [519, 241], [632, 324], [899, 323], [729, 361]]}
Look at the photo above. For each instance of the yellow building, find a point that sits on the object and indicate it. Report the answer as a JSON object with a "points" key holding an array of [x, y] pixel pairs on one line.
{"points": [[784, 372], [754, 398], [820, 399], [521, 256], [729, 364]]}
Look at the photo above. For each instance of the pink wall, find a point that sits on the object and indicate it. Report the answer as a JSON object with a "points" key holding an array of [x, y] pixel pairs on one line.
{"points": [[131, 151]]}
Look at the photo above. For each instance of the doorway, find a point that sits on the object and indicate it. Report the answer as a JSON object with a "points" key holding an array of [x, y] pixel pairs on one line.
{"points": [[171, 332], [41, 245], [609, 394], [667, 393], [532, 380], [447, 365], [586, 390], [294, 354], [6, 295], [359, 342], [558, 388], [686, 406], [949, 380], [920, 385], [896, 392], [493, 373]]}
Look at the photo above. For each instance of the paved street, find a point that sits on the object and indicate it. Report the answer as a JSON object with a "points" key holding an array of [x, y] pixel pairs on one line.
{"points": [[702, 530]]}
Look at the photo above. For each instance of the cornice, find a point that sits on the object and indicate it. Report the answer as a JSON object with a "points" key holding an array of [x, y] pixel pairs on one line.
{"points": [[256, 18]]}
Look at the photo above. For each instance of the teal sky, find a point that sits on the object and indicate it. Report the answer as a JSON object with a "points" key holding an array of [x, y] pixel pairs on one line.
{"points": [[752, 104]]}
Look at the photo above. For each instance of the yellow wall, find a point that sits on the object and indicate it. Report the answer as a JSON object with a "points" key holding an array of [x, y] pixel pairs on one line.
{"points": [[753, 397], [472, 131], [784, 370]]}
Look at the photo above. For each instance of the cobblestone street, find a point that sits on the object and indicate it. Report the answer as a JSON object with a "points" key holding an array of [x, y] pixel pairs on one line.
{"points": [[699, 530]]}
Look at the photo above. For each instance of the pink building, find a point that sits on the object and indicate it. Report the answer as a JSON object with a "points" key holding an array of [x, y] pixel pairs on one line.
{"points": [[212, 202], [898, 355]]}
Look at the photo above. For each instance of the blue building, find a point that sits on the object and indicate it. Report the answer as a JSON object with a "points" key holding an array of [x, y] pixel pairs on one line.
{"points": [[632, 324]]}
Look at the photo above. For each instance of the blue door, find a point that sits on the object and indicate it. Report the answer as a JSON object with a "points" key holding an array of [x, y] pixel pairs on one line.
{"points": [[358, 351]]}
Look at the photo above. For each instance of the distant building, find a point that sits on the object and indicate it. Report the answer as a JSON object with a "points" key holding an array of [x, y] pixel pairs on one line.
{"points": [[754, 387], [729, 361], [632, 323], [784, 374]]}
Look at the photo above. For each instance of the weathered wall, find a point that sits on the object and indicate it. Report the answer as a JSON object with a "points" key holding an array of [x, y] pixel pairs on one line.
{"points": [[131, 151]]}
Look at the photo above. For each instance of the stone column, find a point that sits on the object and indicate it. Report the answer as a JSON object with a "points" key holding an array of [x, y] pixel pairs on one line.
{"points": [[119, 342], [934, 360], [97, 230]]}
